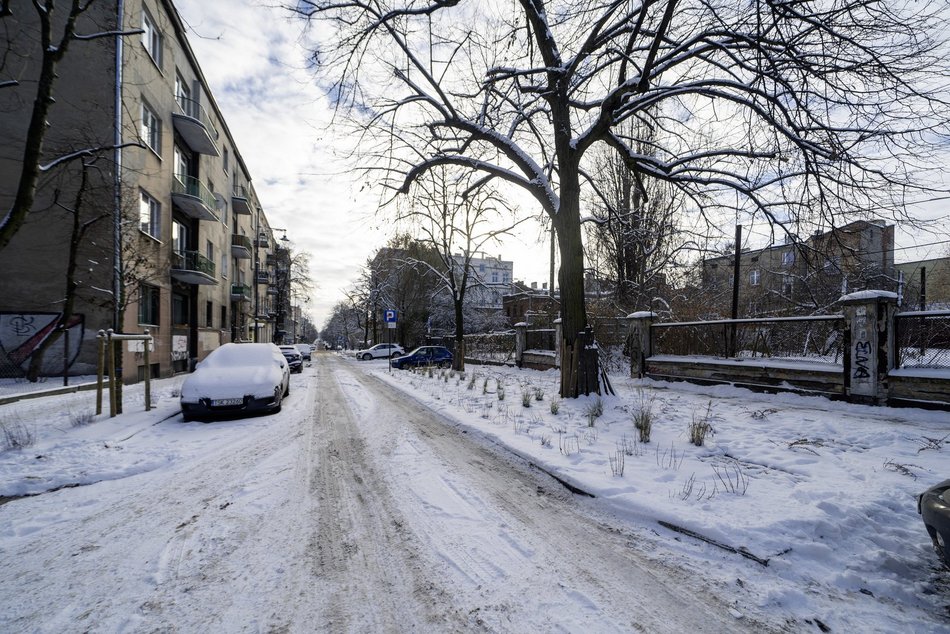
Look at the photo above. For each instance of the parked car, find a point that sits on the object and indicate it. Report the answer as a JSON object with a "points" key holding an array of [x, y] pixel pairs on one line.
{"points": [[425, 355], [305, 349], [380, 351], [294, 358], [234, 380], [934, 507]]}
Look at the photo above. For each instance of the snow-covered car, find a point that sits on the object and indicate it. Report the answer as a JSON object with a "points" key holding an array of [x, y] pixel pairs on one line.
{"points": [[380, 351], [236, 379], [294, 358], [425, 355], [934, 507], [305, 349]]}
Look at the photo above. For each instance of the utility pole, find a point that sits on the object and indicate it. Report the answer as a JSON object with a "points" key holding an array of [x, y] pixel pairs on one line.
{"points": [[735, 291]]}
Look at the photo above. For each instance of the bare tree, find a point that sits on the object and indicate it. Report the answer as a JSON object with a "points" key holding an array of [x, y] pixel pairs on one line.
{"points": [[53, 44], [457, 217], [804, 110]]}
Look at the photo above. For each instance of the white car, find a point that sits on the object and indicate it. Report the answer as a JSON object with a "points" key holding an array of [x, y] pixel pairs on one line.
{"points": [[380, 351], [236, 379]]}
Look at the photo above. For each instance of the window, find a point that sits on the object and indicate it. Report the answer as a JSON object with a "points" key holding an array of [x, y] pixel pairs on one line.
{"points": [[224, 317], [179, 237], [148, 304], [150, 216], [182, 165], [209, 250], [494, 277], [788, 258], [787, 285], [754, 277], [151, 129], [209, 314], [152, 38]]}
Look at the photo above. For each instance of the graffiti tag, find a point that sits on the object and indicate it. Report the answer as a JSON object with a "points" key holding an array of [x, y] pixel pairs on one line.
{"points": [[862, 355]]}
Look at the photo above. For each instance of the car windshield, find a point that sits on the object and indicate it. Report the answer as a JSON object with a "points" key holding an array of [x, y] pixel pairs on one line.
{"points": [[244, 354]]}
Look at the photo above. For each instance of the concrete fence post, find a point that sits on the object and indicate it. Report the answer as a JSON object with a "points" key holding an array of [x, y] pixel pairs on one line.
{"points": [[870, 347], [641, 343], [558, 333], [521, 340]]}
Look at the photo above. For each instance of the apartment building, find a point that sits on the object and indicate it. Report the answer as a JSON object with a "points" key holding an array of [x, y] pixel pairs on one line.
{"points": [[173, 236], [802, 276]]}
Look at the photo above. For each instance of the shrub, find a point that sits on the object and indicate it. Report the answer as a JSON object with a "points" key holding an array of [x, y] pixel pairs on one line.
{"points": [[616, 463], [700, 427], [555, 405], [500, 391], [16, 435], [526, 398], [471, 381], [538, 394], [643, 417], [81, 419]]}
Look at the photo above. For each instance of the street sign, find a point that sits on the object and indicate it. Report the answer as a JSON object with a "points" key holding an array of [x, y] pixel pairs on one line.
{"points": [[390, 324], [389, 316]]}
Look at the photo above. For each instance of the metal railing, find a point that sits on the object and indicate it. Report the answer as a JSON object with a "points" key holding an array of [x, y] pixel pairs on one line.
{"points": [[191, 186], [191, 108], [540, 339], [192, 261], [922, 339], [818, 338], [240, 292]]}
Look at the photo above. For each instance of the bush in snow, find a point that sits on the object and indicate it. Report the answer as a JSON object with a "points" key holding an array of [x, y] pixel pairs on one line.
{"points": [[643, 417], [594, 410], [616, 460], [700, 427], [471, 381], [538, 394], [555, 405], [16, 435], [732, 478], [81, 419], [526, 398]]}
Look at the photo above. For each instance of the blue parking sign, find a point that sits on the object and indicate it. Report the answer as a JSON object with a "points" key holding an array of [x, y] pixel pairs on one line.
{"points": [[389, 316]]}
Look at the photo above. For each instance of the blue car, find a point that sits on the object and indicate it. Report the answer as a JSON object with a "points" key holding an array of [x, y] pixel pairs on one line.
{"points": [[425, 355]]}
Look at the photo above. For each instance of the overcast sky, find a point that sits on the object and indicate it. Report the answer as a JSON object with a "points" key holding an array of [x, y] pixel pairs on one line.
{"points": [[281, 121]]}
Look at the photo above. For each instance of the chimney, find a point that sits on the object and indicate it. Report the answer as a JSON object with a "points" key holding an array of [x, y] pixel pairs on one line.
{"points": [[534, 286]]}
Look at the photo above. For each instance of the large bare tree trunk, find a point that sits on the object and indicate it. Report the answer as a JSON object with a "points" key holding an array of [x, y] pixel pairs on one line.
{"points": [[571, 281]]}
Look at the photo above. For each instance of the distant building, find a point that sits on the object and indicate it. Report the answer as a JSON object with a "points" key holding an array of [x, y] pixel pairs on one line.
{"points": [[178, 241], [531, 305], [490, 279], [935, 274], [802, 276]]}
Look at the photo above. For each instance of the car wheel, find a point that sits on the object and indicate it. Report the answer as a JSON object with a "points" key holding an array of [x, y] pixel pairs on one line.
{"points": [[287, 389], [187, 417], [367, 357], [444, 364], [394, 355], [278, 399]]}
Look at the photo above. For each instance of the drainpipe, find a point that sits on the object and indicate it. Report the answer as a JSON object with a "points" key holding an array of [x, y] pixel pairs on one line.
{"points": [[117, 187]]}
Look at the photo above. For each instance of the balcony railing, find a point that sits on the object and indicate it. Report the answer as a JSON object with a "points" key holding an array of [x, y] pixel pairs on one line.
{"points": [[262, 241], [263, 277], [241, 246], [241, 200], [191, 267], [193, 198], [194, 125], [240, 293]]}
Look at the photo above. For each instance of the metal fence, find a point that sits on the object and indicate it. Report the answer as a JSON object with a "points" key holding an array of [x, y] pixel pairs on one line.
{"points": [[540, 339], [495, 347], [923, 339], [817, 338], [612, 336]]}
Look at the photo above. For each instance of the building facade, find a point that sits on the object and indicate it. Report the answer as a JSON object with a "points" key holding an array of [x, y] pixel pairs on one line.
{"points": [[176, 240], [802, 276]]}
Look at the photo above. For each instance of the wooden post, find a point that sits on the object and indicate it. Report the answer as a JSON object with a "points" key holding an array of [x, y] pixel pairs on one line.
{"points": [[100, 369], [148, 373], [110, 351]]}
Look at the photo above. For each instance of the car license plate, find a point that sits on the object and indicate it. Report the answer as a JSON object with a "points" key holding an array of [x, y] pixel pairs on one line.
{"points": [[223, 402]]}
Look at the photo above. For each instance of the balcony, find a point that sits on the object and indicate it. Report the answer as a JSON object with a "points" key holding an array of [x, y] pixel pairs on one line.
{"points": [[190, 267], [241, 246], [193, 199], [263, 277], [193, 124], [240, 293], [272, 290], [262, 241], [241, 200]]}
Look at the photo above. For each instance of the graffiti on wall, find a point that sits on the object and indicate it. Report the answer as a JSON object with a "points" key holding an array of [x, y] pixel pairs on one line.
{"points": [[22, 333]]}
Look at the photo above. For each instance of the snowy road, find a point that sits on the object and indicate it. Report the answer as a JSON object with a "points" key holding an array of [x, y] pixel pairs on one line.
{"points": [[354, 510]]}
